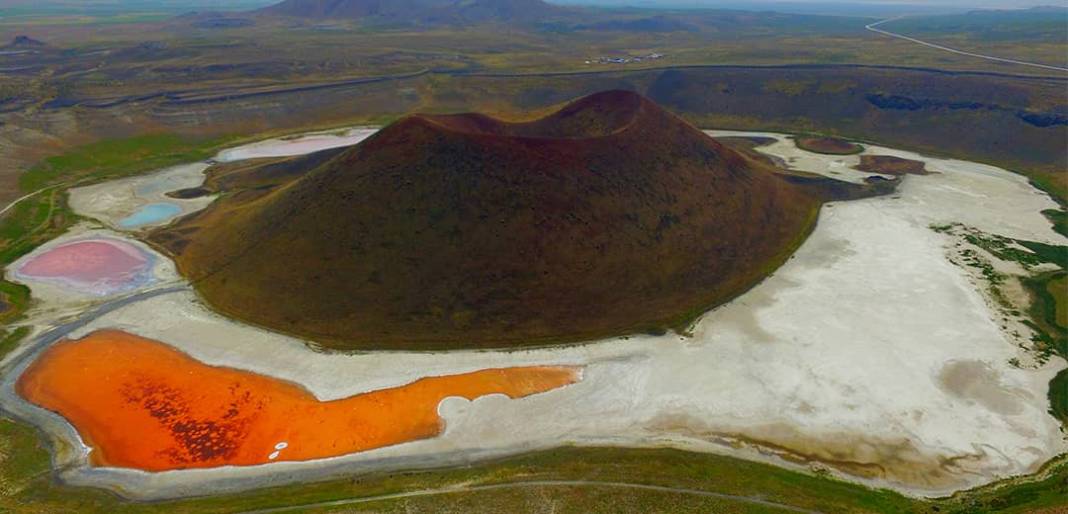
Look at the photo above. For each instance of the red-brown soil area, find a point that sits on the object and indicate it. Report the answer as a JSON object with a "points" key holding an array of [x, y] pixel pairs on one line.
{"points": [[607, 217], [890, 165], [828, 145], [142, 404]]}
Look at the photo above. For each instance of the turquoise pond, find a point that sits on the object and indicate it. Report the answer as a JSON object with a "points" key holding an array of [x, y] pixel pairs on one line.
{"points": [[150, 214]]}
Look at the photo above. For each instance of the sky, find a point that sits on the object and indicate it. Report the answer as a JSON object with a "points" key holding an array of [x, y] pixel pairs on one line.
{"points": [[841, 7], [874, 3], [834, 7], [671, 3], [953, 3]]}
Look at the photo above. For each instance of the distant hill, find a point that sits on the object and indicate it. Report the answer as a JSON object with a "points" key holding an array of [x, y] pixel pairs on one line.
{"points": [[424, 11], [216, 20], [1045, 24], [610, 216], [643, 24], [26, 42]]}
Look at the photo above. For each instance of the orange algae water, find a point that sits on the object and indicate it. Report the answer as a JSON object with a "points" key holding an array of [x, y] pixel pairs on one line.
{"points": [[142, 404]]}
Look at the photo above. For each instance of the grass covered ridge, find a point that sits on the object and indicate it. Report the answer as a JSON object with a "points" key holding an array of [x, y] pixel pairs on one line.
{"points": [[29, 487]]}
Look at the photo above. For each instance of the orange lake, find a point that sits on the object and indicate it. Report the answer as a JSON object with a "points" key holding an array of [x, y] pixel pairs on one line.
{"points": [[143, 404]]}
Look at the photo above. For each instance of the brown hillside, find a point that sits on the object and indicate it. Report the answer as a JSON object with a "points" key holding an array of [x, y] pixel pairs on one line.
{"points": [[609, 216]]}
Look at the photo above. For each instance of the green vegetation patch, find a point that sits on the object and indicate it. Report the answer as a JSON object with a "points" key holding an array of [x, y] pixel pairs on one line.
{"points": [[14, 298], [9, 339], [1041, 24], [1032, 254], [46, 215], [1049, 295], [29, 487], [32, 222], [1058, 396], [118, 157], [29, 224], [1047, 315], [1059, 219], [1026, 253], [1058, 289]]}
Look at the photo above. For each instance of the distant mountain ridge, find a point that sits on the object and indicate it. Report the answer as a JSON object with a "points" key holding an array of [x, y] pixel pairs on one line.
{"points": [[440, 11]]}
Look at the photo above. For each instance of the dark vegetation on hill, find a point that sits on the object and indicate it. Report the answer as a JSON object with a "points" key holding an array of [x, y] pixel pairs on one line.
{"points": [[607, 217]]}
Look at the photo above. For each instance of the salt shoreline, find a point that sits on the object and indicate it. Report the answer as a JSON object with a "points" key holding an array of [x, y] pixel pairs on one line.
{"points": [[845, 344]]}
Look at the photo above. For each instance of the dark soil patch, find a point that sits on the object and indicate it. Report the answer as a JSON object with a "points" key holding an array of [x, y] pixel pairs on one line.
{"points": [[747, 145], [890, 165], [189, 193], [828, 145]]}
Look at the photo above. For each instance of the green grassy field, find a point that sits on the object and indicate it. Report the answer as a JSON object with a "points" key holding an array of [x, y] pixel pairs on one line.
{"points": [[1030, 34], [46, 215], [28, 486], [113, 158], [1059, 219], [1058, 289], [31, 223], [1049, 294]]}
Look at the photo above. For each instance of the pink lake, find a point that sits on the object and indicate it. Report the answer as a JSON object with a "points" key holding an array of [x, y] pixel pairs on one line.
{"points": [[294, 146], [96, 266]]}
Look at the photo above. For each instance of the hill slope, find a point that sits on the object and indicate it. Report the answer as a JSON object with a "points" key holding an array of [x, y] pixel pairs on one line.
{"points": [[427, 11], [609, 216]]}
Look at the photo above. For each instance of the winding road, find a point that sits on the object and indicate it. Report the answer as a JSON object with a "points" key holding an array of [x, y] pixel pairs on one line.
{"points": [[25, 197], [534, 483], [12, 369], [39, 342], [872, 27]]}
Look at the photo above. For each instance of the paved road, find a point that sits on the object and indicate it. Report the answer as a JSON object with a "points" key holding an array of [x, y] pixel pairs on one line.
{"points": [[872, 27], [39, 191], [60, 331], [23, 197], [536, 483]]}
